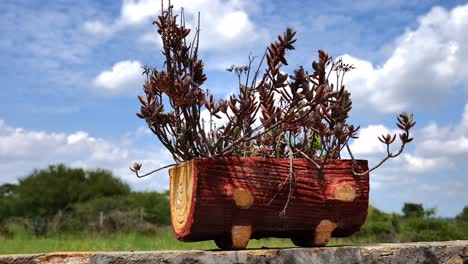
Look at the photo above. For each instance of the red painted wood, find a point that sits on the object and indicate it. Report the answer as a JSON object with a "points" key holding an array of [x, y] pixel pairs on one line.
{"points": [[214, 210]]}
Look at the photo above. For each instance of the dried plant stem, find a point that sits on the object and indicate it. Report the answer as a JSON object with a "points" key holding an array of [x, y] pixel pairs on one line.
{"points": [[151, 172], [389, 155], [291, 176], [309, 159]]}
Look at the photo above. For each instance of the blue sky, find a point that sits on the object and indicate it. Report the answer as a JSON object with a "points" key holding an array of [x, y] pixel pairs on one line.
{"points": [[70, 74]]}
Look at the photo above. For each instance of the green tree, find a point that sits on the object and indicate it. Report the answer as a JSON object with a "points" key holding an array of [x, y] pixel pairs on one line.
{"points": [[463, 215], [5, 208], [413, 210], [461, 221], [7, 190], [6, 201], [47, 191]]}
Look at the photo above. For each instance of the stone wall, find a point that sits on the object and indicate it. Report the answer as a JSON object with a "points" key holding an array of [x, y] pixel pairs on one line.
{"points": [[453, 252]]}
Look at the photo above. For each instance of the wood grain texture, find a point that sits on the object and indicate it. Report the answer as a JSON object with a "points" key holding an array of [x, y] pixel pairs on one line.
{"points": [[183, 186], [213, 210]]}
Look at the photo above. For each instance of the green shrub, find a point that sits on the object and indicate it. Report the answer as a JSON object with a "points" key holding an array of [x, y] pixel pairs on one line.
{"points": [[420, 229], [45, 192]]}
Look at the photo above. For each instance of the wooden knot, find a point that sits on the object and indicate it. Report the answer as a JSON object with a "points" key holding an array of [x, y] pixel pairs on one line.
{"points": [[345, 193], [243, 198]]}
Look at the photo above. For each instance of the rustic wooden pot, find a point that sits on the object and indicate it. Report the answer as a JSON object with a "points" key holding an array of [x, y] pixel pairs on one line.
{"points": [[231, 200]]}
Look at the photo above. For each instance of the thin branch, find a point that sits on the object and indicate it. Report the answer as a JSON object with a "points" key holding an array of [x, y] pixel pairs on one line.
{"points": [[390, 155], [309, 159], [291, 176], [156, 170]]}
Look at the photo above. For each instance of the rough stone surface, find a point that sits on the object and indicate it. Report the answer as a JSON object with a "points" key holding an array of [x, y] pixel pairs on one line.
{"points": [[451, 252]]}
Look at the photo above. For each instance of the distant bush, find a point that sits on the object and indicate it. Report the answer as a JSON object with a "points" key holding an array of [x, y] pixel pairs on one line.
{"points": [[16, 227], [379, 226], [153, 206], [416, 224], [45, 192], [419, 229]]}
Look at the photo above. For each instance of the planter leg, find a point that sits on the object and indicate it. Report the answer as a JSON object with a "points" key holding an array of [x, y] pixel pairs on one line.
{"points": [[322, 235], [303, 241], [323, 232], [239, 238]]}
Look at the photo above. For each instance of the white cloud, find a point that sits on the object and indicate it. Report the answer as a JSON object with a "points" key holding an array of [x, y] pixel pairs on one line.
{"points": [[427, 63], [434, 148], [98, 28], [231, 25], [49, 42], [463, 128], [446, 146], [151, 37], [21, 151], [224, 24], [137, 12], [421, 164], [124, 76], [368, 142], [77, 137], [446, 141], [455, 187]]}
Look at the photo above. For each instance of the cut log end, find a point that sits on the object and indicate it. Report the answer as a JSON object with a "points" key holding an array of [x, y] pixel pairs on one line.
{"points": [[323, 232], [345, 193], [181, 194], [243, 198]]}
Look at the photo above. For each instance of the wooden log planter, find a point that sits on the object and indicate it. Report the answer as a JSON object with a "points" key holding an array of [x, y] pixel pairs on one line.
{"points": [[231, 200]]}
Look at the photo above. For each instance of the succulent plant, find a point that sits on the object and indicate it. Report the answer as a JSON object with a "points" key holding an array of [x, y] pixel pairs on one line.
{"points": [[274, 114]]}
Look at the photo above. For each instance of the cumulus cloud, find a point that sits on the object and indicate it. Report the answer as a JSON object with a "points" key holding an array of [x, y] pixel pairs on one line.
{"points": [[124, 76], [53, 46], [451, 141], [426, 64], [22, 150], [224, 24], [421, 164], [98, 28], [138, 11], [434, 148], [368, 142]]}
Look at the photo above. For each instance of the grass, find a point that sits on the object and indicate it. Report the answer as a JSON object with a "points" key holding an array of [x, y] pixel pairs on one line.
{"points": [[23, 242], [165, 240]]}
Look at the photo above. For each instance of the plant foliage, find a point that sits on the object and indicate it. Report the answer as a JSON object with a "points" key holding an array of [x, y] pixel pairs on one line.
{"points": [[274, 114]]}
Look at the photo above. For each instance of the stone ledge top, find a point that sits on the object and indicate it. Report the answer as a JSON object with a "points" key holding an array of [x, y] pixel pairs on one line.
{"points": [[452, 252]]}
